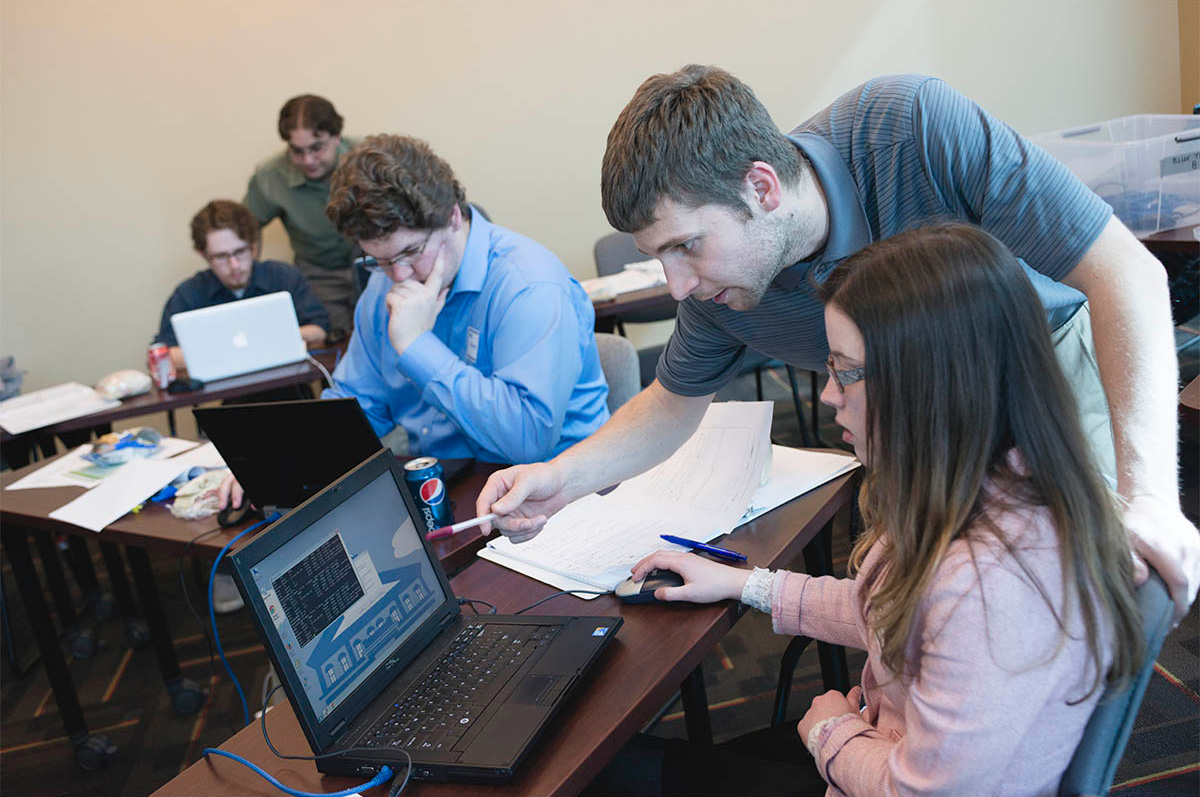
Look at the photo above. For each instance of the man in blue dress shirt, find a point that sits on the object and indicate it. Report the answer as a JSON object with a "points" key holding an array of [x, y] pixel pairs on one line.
{"points": [[473, 338]]}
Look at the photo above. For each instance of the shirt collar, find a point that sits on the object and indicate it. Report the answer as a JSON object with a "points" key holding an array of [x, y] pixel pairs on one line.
{"points": [[849, 230], [472, 271]]}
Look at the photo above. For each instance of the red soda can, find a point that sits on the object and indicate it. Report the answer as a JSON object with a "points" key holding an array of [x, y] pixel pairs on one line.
{"points": [[158, 362], [423, 476]]}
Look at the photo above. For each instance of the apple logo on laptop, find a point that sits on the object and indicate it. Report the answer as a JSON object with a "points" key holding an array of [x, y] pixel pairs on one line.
{"points": [[240, 340]]}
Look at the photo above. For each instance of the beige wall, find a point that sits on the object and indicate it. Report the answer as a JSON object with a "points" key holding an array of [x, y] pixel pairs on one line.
{"points": [[121, 118]]}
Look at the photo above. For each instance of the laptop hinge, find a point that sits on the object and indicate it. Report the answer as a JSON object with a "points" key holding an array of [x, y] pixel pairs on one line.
{"points": [[338, 730]]}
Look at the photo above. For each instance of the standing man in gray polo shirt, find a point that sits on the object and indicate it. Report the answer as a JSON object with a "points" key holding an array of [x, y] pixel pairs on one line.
{"points": [[743, 217], [294, 187]]}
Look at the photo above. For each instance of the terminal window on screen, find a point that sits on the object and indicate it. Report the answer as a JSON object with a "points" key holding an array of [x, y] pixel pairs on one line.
{"points": [[318, 589]]}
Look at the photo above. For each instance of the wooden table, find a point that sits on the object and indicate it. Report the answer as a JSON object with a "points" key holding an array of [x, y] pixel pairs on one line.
{"points": [[162, 401], [1180, 240], [608, 312], [657, 651], [25, 513]]}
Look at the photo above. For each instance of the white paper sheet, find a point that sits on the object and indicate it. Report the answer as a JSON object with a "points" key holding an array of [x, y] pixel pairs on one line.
{"points": [[133, 483], [794, 473], [700, 492], [51, 405], [205, 456], [635, 277]]}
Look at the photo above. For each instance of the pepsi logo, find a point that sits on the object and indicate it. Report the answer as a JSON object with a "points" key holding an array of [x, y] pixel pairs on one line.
{"points": [[433, 491]]}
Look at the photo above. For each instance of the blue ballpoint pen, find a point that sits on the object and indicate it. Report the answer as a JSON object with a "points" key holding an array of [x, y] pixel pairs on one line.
{"points": [[723, 553]]}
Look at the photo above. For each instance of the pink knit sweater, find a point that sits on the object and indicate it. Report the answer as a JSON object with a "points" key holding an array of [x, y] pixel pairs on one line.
{"points": [[992, 707]]}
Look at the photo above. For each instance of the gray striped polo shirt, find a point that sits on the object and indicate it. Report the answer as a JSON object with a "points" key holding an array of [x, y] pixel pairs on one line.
{"points": [[893, 154]]}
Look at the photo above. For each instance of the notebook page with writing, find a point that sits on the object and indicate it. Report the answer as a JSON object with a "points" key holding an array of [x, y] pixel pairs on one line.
{"points": [[700, 492]]}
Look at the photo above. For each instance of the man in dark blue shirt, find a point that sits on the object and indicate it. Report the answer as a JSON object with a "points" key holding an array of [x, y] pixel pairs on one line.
{"points": [[226, 235]]}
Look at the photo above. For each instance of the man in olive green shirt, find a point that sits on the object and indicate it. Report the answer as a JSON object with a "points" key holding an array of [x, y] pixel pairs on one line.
{"points": [[294, 186]]}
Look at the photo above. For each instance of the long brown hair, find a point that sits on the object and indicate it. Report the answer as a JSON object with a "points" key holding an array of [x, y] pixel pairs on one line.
{"points": [[959, 371]]}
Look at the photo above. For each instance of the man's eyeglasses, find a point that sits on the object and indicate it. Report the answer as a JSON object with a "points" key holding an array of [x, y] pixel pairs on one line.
{"points": [[225, 258], [405, 258], [846, 378]]}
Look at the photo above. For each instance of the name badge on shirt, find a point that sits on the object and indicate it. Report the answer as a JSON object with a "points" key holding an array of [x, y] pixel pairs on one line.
{"points": [[472, 344]]}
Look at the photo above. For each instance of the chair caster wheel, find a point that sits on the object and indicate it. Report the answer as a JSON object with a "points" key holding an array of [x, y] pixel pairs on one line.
{"points": [[137, 632], [92, 752], [187, 696]]}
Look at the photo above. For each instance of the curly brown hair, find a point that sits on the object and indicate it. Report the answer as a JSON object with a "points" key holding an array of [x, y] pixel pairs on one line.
{"points": [[388, 182], [310, 112], [224, 214]]}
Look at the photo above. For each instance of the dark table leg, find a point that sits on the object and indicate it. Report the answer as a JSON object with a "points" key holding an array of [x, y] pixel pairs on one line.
{"points": [[695, 708], [91, 751], [136, 630], [818, 561], [52, 567], [186, 695]]}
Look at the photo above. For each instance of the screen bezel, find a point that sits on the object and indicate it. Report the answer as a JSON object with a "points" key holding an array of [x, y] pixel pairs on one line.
{"points": [[321, 734]]}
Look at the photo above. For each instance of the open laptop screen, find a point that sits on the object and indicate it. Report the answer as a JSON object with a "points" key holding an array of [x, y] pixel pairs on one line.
{"points": [[346, 592]]}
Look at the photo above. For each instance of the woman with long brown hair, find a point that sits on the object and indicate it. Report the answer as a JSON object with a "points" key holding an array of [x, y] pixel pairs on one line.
{"points": [[993, 586]]}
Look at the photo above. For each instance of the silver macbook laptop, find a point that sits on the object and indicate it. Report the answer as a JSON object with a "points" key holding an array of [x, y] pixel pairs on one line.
{"points": [[239, 337]]}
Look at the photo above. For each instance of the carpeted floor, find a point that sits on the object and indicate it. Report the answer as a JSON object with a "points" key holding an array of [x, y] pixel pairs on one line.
{"points": [[123, 697]]}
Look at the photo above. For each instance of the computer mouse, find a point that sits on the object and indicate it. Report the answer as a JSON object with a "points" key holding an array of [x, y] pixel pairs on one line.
{"points": [[631, 591], [231, 516]]}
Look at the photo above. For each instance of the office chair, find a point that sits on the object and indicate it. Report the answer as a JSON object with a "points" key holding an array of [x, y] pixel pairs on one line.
{"points": [[1095, 760], [613, 252], [619, 361]]}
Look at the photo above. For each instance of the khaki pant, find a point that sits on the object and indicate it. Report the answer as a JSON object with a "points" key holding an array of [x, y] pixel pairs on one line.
{"points": [[335, 288], [1077, 355]]}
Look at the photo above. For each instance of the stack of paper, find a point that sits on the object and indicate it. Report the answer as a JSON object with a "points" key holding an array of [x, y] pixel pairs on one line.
{"points": [[700, 492], [52, 405]]}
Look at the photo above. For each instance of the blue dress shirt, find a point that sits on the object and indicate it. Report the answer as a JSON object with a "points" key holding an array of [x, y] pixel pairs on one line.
{"points": [[510, 371]]}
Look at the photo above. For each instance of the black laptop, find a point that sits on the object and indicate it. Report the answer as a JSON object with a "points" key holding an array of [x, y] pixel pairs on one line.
{"points": [[283, 452], [376, 655]]}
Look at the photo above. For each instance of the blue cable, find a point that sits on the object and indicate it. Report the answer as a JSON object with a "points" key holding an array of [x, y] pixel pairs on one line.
{"points": [[383, 777], [212, 615]]}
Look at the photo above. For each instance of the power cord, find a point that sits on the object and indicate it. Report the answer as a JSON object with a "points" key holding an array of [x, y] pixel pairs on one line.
{"points": [[212, 615], [321, 368], [564, 592]]}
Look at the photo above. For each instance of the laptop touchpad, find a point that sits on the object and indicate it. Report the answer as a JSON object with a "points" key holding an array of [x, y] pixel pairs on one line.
{"points": [[531, 689]]}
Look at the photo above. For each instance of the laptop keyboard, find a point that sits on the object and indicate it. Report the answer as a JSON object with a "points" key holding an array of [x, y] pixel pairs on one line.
{"points": [[440, 709]]}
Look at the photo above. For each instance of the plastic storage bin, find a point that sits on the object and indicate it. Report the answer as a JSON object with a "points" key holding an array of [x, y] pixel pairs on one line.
{"points": [[1146, 166]]}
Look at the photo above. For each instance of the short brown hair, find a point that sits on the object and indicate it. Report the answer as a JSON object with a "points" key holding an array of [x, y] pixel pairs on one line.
{"points": [[310, 112], [224, 214], [388, 182], [689, 136]]}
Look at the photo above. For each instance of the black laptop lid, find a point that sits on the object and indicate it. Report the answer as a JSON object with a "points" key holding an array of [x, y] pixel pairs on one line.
{"points": [[346, 592], [283, 452]]}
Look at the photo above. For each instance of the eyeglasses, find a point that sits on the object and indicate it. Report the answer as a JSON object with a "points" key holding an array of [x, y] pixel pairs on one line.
{"points": [[405, 258], [846, 378], [225, 258]]}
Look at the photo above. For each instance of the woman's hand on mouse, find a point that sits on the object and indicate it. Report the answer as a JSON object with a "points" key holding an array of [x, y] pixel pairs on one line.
{"points": [[704, 581]]}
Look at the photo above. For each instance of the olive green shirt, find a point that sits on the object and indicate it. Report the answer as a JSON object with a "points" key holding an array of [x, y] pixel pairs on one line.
{"points": [[281, 189]]}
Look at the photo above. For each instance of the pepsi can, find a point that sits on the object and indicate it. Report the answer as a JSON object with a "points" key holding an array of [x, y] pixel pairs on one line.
{"points": [[423, 476]]}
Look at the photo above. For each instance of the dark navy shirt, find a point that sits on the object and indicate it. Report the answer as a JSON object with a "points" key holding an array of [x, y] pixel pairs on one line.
{"points": [[893, 154], [203, 289]]}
